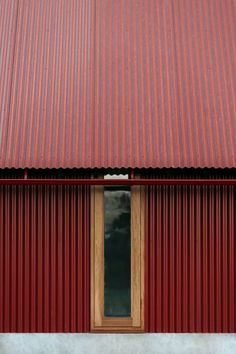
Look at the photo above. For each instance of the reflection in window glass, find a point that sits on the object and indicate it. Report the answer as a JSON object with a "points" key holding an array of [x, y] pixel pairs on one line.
{"points": [[117, 225]]}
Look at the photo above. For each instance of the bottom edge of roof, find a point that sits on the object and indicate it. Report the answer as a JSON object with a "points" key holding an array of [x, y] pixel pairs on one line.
{"points": [[114, 167]]}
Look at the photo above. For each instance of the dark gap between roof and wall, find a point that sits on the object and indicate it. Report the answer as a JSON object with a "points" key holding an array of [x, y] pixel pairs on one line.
{"points": [[163, 173]]}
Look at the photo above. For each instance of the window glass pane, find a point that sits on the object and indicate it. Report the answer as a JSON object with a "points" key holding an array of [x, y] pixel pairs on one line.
{"points": [[117, 212]]}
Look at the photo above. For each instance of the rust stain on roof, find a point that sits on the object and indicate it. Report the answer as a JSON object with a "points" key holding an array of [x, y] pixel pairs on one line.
{"points": [[128, 83]]}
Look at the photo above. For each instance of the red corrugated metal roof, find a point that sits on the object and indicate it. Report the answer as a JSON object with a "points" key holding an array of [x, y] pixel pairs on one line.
{"points": [[128, 83]]}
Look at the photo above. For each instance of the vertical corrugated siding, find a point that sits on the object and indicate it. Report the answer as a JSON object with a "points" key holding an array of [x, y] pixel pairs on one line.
{"points": [[44, 259], [190, 259]]}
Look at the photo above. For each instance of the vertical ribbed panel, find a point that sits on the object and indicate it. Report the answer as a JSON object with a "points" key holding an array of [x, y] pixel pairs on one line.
{"points": [[165, 83], [51, 85], [44, 259], [190, 259], [8, 24], [87, 83]]}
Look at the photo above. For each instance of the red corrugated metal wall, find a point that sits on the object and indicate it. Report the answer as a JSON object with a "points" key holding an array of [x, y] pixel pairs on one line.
{"points": [[190, 264], [190, 259], [44, 259]]}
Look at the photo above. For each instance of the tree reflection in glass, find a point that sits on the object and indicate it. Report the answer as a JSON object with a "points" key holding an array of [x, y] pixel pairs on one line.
{"points": [[117, 248]]}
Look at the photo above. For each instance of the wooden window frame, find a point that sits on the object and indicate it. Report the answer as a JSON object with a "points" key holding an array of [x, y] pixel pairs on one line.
{"points": [[99, 322]]}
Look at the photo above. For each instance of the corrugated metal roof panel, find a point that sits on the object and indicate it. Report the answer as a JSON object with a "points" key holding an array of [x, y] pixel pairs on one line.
{"points": [[128, 83], [51, 111], [8, 21]]}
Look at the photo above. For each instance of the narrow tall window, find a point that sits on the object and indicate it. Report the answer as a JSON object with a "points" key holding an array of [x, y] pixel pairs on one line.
{"points": [[117, 258], [117, 252]]}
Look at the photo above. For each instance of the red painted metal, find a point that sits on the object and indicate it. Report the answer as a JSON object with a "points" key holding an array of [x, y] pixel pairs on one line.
{"points": [[190, 258], [8, 25], [47, 54], [120, 182], [44, 259], [101, 83]]}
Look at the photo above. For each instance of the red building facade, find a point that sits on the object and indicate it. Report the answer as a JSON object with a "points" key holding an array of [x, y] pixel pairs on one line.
{"points": [[145, 88]]}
